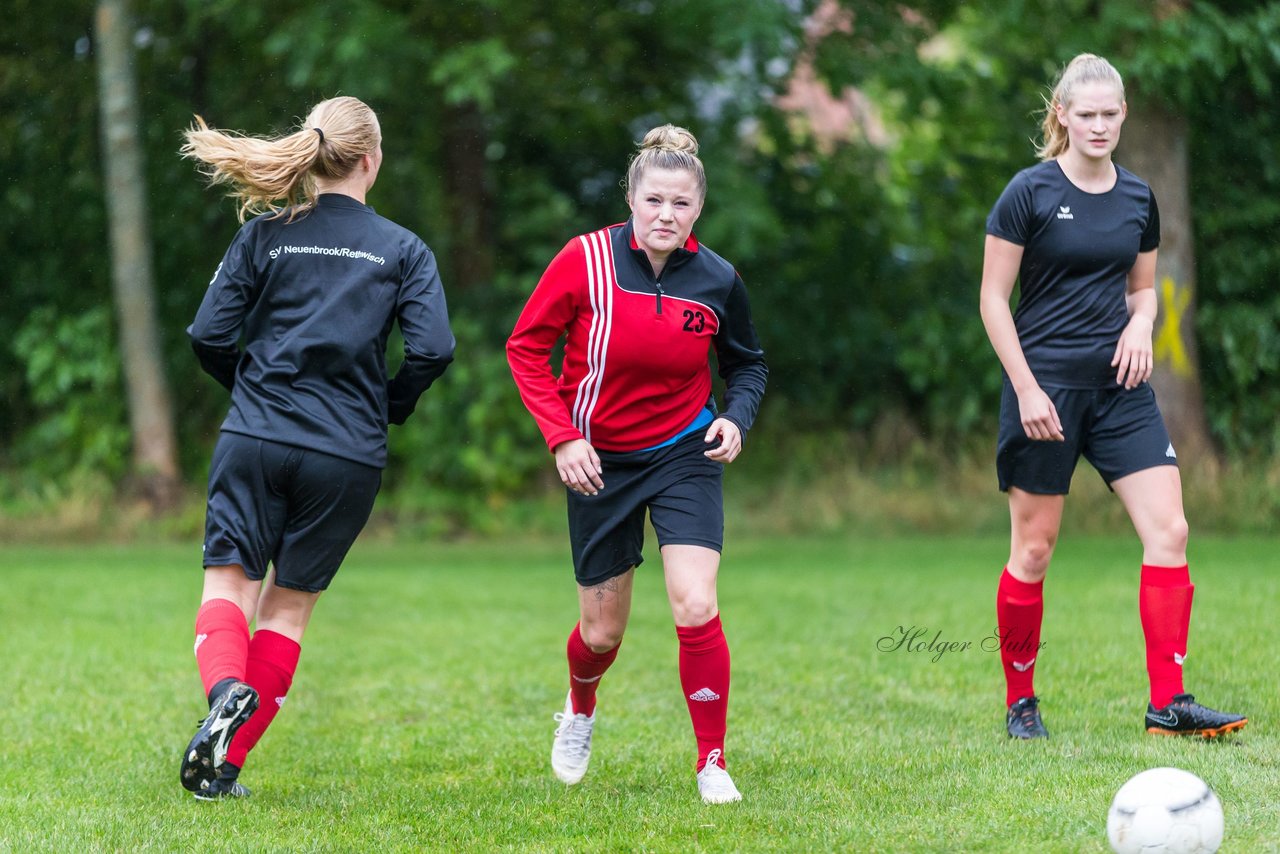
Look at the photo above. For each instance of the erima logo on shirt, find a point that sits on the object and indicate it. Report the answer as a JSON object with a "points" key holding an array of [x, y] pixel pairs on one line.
{"points": [[1065, 213], [704, 695]]}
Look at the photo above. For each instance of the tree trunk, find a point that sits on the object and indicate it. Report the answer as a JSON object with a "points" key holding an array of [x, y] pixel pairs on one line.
{"points": [[467, 196], [154, 465], [1154, 146]]}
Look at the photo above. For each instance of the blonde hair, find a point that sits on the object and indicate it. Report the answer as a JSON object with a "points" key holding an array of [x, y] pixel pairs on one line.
{"points": [[666, 147], [1085, 68], [264, 170]]}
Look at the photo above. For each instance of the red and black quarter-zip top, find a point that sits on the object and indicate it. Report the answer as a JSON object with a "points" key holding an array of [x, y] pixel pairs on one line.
{"points": [[635, 370]]}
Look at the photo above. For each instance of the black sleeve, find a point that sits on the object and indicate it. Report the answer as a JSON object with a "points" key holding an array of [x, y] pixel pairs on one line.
{"points": [[1151, 234], [1011, 216], [215, 332], [428, 341], [741, 360]]}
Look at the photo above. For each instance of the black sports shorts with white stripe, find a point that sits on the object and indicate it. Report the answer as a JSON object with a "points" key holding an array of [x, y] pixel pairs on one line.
{"points": [[1118, 430]]}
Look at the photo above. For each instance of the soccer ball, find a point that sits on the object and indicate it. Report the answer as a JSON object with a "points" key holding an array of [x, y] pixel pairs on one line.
{"points": [[1165, 810]]}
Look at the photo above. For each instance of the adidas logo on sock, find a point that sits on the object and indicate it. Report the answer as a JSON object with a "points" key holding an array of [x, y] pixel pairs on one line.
{"points": [[1021, 667], [704, 695]]}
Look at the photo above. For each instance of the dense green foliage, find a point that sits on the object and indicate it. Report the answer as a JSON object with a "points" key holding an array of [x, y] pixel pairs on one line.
{"points": [[508, 124], [414, 725]]}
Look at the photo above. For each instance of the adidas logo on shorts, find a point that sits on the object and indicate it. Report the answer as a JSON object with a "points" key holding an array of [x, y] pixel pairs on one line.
{"points": [[704, 695]]}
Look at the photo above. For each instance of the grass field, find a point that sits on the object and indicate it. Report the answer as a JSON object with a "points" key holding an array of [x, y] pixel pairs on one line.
{"points": [[421, 715]]}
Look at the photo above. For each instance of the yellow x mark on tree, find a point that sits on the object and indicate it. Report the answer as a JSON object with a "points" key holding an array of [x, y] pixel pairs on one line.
{"points": [[1168, 347]]}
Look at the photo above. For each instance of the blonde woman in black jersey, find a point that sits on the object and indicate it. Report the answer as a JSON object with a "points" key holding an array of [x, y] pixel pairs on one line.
{"points": [[294, 324], [1079, 234]]}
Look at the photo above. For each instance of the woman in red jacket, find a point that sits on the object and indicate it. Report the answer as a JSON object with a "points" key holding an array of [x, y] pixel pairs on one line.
{"points": [[633, 426]]}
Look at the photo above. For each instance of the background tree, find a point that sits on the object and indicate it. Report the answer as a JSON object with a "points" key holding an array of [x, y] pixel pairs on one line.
{"points": [[508, 124], [155, 464]]}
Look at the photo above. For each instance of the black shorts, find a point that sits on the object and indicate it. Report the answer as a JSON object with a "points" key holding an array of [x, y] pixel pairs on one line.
{"points": [[298, 509], [1119, 431], [679, 486]]}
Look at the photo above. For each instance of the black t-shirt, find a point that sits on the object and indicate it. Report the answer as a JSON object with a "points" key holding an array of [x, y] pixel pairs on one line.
{"points": [[314, 300], [1078, 249]]}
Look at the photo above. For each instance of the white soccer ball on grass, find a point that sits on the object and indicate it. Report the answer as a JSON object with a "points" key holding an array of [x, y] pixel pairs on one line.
{"points": [[1165, 810]]}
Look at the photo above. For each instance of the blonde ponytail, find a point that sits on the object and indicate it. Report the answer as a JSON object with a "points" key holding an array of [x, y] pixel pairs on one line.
{"points": [[265, 170]]}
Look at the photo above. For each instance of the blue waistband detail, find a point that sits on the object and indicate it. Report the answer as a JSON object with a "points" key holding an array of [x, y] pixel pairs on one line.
{"points": [[705, 417]]}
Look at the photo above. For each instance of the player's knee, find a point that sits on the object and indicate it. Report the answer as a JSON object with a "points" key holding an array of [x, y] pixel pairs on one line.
{"points": [[1174, 534], [601, 637], [694, 609], [1033, 558]]}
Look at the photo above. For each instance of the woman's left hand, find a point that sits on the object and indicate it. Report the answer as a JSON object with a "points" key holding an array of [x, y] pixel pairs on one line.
{"points": [[1133, 360], [730, 440]]}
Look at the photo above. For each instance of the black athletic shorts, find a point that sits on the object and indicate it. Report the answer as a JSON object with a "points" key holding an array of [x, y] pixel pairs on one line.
{"points": [[678, 485], [298, 509], [1119, 431]]}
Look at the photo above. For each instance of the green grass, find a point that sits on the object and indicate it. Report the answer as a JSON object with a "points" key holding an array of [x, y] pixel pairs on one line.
{"points": [[421, 714]]}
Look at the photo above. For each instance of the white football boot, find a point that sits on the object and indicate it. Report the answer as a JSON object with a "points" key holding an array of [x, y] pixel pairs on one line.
{"points": [[571, 751], [714, 783]]}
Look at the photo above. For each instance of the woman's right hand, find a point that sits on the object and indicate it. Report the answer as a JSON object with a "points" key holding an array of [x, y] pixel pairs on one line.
{"points": [[579, 467], [1039, 416]]}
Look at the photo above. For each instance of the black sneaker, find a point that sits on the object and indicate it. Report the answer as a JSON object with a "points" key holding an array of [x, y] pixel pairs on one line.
{"points": [[1184, 716], [222, 787], [208, 748], [1024, 719]]}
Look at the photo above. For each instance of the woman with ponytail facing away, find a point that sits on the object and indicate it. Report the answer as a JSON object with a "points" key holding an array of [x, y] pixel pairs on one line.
{"points": [[633, 427], [295, 324]]}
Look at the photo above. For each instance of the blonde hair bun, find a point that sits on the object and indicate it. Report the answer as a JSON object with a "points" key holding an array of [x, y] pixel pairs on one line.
{"points": [[666, 147], [670, 138]]}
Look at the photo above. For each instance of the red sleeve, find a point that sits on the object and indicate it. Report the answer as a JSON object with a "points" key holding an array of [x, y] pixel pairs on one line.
{"points": [[546, 316]]}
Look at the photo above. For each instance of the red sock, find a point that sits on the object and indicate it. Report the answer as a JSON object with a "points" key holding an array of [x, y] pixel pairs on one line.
{"points": [[1019, 611], [273, 658], [1164, 601], [585, 669], [222, 642], [704, 677]]}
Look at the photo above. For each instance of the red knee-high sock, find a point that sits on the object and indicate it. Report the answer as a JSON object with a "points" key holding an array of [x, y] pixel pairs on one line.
{"points": [[1019, 611], [273, 658], [585, 669], [1164, 601], [704, 676], [222, 642]]}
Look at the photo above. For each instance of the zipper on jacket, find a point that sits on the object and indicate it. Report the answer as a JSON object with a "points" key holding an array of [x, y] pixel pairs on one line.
{"points": [[658, 283]]}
